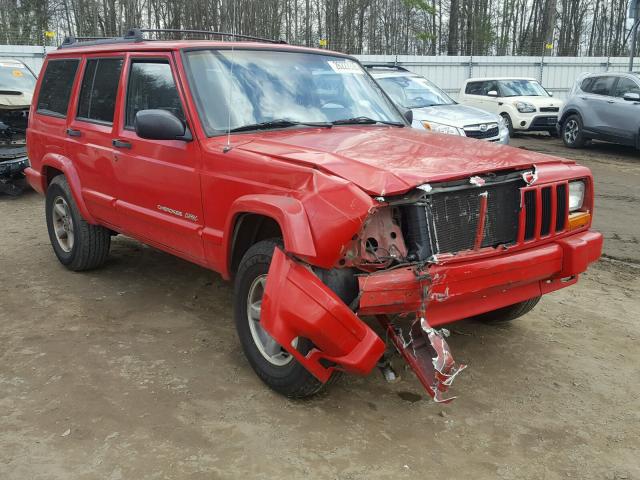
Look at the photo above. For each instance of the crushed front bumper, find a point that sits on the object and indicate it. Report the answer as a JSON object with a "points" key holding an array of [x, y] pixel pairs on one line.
{"points": [[465, 289]]}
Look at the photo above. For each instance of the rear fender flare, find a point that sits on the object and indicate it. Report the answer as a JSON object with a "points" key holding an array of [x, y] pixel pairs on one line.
{"points": [[288, 212], [66, 166]]}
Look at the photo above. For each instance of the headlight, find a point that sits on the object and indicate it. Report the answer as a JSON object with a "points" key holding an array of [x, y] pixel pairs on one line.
{"points": [[576, 195], [441, 128], [524, 107]]}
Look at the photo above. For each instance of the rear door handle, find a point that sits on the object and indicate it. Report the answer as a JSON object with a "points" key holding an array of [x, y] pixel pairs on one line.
{"points": [[121, 144], [73, 133]]}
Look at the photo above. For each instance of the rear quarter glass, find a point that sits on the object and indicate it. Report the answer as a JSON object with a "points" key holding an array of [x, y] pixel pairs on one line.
{"points": [[56, 86]]}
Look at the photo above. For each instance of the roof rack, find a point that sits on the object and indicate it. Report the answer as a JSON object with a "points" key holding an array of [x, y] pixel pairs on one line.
{"points": [[392, 66], [136, 35]]}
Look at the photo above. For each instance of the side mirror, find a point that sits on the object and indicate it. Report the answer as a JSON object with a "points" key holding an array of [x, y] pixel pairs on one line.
{"points": [[632, 97], [550, 94], [492, 93], [408, 115], [155, 124]]}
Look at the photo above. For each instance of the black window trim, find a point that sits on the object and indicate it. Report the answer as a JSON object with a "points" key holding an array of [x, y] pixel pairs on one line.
{"points": [[153, 59], [84, 70], [50, 113]]}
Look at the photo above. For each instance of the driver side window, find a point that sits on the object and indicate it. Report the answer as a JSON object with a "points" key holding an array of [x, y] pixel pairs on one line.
{"points": [[626, 85], [151, 86]]}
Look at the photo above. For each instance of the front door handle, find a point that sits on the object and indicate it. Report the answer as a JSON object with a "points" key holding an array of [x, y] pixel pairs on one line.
{"points": [[121, 144], [73, 132]]}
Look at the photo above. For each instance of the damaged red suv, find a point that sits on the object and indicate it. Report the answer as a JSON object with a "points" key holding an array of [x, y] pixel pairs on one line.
{"points": [[289, 171]]}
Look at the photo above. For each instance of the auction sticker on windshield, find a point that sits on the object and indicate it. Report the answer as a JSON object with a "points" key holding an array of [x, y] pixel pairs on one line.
{"points": [[345, 66]]}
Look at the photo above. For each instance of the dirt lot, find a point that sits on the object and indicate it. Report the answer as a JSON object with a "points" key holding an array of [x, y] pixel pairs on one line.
{"points": [[134, 371]]}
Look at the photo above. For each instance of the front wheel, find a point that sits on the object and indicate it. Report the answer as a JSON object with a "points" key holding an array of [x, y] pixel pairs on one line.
{"points": [[272, 363], [572, 132], [510, 313], [508, 123]]}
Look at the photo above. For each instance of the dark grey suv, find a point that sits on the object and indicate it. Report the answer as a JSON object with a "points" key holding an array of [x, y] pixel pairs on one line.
{"points": [[603, 106]]}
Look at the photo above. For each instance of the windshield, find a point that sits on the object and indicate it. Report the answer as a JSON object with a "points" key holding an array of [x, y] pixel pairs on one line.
{"points": [[414, 92], [263, 86], [522, 88], [15, 77]]}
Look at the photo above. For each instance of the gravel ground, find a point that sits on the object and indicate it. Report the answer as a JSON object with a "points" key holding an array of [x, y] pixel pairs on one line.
{"points": [[134, 371]]}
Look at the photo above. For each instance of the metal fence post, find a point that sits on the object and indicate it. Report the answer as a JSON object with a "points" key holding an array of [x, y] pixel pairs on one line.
{"points": [[470, 74]]}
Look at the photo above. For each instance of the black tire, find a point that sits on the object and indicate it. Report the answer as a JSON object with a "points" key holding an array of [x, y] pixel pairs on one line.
{"points": [[573, 138], [292, 379], [510, 313], [90, 246], [508, 122]]}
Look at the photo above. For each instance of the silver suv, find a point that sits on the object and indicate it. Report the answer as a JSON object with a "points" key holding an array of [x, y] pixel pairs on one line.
{"points": [[603, 106], [434, 110]]}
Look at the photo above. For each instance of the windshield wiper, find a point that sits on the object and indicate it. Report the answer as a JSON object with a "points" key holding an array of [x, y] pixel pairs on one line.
{"points": [[365, 121], [278, 123]]}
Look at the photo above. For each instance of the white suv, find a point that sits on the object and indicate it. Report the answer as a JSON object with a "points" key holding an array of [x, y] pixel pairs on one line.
{"points": [[522, 102]]}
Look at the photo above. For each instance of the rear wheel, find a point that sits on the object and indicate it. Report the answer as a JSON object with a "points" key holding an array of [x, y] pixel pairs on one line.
{"points": [[572, 132], [272, 363], [510, 313], [77, 244]]}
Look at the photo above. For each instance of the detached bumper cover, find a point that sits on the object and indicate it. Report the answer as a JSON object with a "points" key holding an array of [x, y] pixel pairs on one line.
{"points": [[297, 304]]}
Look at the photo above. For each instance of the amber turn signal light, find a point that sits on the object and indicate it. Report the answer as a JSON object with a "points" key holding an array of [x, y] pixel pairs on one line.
{"points": [[579, 220]]}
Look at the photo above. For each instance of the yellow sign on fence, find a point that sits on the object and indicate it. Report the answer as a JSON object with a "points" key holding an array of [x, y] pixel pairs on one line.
{"points": [[323, 42], [49, 34]]}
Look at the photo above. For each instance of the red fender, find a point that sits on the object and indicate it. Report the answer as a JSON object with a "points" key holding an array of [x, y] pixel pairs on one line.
{"points": [[287, 211]]}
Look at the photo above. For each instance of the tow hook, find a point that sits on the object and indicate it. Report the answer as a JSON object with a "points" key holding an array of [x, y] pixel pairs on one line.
{"points": [[428, 354]]}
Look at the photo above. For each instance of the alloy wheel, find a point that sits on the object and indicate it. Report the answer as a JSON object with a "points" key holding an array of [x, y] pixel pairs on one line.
{"points": [[63, 224]]}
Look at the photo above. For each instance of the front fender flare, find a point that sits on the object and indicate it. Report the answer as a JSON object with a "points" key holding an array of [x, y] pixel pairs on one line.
{"points": [[287, 211], [62, 163]]}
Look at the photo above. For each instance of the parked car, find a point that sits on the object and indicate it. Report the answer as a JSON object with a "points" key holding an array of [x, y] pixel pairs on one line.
{"points": [[17, 82], [602, 107], [434, 110], [287, 170], [523, 103]]}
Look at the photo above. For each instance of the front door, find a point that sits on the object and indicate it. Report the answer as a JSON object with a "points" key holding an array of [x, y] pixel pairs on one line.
{"points": [[623, 116], [159, 196]]}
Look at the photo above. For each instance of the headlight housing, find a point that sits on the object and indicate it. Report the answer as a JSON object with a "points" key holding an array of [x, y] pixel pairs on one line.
{"points": [[524, 107], [576, 195], [441, 128]]}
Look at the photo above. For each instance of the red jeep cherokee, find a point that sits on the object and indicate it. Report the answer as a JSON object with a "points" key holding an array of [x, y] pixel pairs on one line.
{"points": [[289, 170]]}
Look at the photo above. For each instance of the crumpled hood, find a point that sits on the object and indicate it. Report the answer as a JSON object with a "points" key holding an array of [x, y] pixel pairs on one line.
{"points": [[390, 160]]}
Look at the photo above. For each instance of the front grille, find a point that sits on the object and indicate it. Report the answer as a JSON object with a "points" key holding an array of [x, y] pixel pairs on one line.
{"points": [[453, 217], [545, 122], [549, 109], [545, 214], [448, 221], [476, 132]]}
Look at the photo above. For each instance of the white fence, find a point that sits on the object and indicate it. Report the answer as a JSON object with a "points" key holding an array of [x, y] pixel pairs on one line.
{"points": [[557, 74]]}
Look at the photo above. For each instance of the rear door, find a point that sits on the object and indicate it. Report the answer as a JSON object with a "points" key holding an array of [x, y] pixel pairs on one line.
{"points": [[158, 180], [90, 131]]}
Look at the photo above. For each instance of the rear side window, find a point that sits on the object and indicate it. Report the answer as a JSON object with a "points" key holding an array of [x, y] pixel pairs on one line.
{"points": [[474, 88], [99, 88], [151, 86], [600, 85], [57, 83]]}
